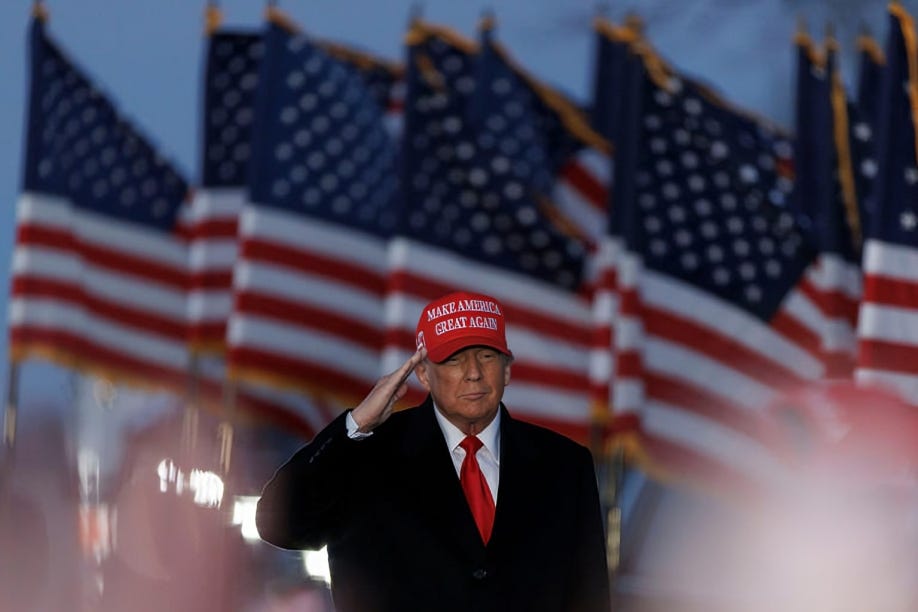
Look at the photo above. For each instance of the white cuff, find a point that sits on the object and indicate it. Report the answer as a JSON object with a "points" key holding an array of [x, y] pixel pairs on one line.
{"points": [[352, 428]]}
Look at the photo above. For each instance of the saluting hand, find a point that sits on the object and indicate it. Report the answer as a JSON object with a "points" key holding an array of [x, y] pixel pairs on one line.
{"points": [[379, 402]]}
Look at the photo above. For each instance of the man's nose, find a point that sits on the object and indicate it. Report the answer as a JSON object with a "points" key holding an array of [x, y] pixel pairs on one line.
{"points": [[472, 370]]}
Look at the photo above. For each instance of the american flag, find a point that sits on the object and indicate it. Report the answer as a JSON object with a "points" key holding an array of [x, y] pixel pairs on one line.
{"points": [[576, 165], [562, 158], [888, 323], [612, 47], [310, 279], [472, 221], [99, 275], [824, 196], [384, 79], [232, 62], [610, 92], [230, 85], [863, 116], [712, 323]]}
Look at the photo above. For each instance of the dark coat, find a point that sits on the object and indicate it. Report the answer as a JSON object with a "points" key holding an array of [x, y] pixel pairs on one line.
{"points": [[400, 534]]}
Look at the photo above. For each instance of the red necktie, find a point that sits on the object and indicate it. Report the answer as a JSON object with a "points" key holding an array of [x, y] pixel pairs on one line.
{"points": [[476, 488]]}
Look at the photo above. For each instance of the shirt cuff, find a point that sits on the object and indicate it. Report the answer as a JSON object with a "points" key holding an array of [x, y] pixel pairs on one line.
{"points": [[352, 428]]}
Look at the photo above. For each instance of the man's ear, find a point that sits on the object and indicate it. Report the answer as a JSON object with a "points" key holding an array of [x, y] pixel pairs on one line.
{"points": [[421, 372]]}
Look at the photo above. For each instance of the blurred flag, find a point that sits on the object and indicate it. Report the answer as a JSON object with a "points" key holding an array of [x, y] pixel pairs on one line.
{"points": [[862, 113], [612, 48], [712, 323], [310, 278], [472, 220], [549, 140], [824, 195], [384, 79], [611, 92], [230, 84], [99, 275], [233, 59], [888, 322]]}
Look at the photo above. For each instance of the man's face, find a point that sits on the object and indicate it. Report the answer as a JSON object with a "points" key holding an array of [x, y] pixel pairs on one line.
{"points": [[468, 386]]}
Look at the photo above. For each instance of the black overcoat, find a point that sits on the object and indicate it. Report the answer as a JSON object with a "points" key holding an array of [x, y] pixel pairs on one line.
{"points": [[400, 534]]}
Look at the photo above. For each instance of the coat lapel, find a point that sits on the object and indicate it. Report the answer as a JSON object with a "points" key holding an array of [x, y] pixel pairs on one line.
{"points": [[518, 479], [437, 493]]}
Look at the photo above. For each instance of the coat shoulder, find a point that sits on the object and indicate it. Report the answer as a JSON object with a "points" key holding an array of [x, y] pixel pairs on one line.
{"points": [[550, 441]]}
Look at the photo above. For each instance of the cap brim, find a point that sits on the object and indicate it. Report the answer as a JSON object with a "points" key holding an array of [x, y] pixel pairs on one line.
{"points": [[442, 352]]}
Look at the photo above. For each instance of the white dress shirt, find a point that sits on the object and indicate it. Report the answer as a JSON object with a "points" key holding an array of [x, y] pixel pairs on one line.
{"points": [[488, 455]]}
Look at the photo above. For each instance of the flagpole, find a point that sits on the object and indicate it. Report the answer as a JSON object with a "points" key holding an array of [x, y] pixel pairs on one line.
{"points": [[212, 16], [191, 415], [11, 411], [614, 477], [226, 428], [9, 432]]}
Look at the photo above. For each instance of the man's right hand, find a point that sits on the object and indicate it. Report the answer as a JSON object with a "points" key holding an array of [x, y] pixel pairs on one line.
{"points": [[379, 402]]}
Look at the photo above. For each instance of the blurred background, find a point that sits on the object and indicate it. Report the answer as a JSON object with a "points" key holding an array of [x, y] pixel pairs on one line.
{"points": [[158, 369]]}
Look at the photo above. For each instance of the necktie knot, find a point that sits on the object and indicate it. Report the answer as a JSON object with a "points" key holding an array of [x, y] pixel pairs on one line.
{"points": [[471, 444]]}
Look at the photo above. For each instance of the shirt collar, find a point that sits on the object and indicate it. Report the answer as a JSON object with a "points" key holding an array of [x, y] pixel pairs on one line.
{"points": [[489, 436]]}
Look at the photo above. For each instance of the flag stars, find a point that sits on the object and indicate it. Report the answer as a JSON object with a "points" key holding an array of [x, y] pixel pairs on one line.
{"points": [[720, 275], [703, 207], [748, 174], [862, 131], [773, 268], [908, 220], [753, 293], [689, 261], [696, 183], [289, 115], [911, 175], [662, 97], [676, 213], [741, 248], [658, 247], [746, 271]]}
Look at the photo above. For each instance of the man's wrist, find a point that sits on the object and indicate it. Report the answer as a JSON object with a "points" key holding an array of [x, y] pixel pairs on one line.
{"points": [[353, 428]]}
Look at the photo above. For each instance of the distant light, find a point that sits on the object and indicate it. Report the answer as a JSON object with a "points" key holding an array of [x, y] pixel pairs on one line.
{"points": [[316, 564], [244, 516], [205, 486]]}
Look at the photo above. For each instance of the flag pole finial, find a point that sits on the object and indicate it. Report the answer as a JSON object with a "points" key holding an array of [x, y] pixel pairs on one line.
{"points": [[634, 23], [213, 17], [603, 9], [415, 13], [488, 21], [801, 25], [39, 10]]}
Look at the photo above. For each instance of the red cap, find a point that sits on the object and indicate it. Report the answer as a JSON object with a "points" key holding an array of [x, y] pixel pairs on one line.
{"points": [[459, 320]]}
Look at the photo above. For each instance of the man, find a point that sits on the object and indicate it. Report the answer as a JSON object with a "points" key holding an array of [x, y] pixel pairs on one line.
{"points": [[413, 521]]}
